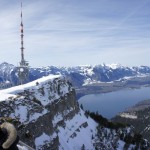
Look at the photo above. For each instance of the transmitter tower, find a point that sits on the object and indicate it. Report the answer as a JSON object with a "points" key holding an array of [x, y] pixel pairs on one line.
{"points": [[23, 68]]}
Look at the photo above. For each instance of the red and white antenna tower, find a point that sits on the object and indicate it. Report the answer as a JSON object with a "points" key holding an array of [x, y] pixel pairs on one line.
{"points": [[22, 48], [23, 69]]}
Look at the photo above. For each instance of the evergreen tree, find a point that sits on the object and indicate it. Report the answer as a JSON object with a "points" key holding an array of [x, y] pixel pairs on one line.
{"points": [[81, 107], [83, 147]]}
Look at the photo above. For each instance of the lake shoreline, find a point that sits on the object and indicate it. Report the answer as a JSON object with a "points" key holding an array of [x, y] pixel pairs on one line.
{"points": [[109, 104], [105, 88]]}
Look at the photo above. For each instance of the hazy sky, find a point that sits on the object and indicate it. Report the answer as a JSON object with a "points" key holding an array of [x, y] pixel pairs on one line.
{"points": [[76, 32]]}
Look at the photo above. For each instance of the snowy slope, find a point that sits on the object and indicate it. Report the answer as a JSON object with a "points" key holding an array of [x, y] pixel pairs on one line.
{"points": [[47, 91], [72, 136], [35, 86], [48, 116]]}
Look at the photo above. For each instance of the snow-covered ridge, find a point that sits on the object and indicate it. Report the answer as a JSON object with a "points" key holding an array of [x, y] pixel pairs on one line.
{"points": [[79, 75], [43, 91], [31, 85], [47, 109]]}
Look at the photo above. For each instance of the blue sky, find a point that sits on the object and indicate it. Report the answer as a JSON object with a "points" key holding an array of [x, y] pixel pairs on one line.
{"points": [[76, 32]]}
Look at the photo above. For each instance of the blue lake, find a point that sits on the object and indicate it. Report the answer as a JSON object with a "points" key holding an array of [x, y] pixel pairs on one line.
{"points": [[110, 104]]}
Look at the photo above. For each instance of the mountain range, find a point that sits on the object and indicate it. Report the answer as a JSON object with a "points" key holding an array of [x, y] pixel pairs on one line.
{"points": [[86, 79], [48, 117], [79, 75]]}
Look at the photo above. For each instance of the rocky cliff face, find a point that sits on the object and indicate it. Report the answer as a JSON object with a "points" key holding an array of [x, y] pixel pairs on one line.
{"points": [[47, 115]]}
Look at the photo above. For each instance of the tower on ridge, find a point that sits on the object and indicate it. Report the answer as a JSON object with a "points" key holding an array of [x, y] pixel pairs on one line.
{"points": [[23, 68]]}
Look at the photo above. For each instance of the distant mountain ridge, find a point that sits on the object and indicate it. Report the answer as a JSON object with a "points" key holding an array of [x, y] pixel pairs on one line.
{"points": [[79, 75]]}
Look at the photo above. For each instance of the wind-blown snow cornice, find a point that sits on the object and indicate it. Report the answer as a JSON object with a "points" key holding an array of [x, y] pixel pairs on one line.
{"points": [[31, 85]]}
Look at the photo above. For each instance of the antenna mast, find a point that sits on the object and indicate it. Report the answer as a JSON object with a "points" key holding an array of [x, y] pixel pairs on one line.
{"points": [[23, 69], [22, 48]]}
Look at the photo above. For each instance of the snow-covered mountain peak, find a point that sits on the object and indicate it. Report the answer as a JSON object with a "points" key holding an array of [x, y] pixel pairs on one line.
{"points": [[82, 73], [48, 116], [6, 65], [114, 65]]}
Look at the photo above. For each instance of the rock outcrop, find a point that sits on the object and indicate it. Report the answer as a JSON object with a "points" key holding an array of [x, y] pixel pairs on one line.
{"points": [[46, 114], [138, 116]]}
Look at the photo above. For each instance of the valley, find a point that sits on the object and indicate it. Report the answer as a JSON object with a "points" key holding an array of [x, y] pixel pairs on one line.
{"points": [[105, 87]]}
